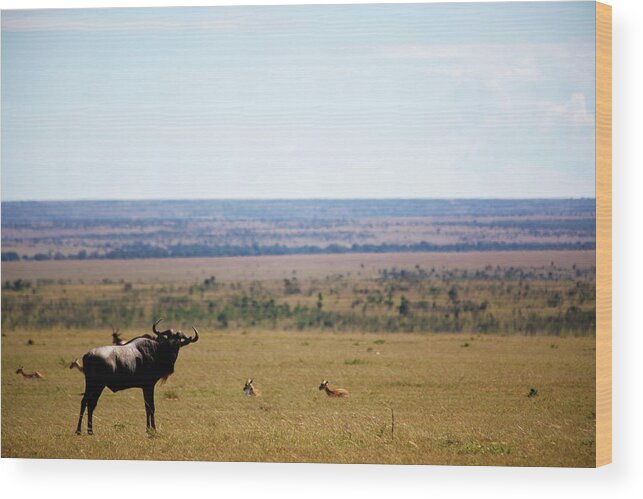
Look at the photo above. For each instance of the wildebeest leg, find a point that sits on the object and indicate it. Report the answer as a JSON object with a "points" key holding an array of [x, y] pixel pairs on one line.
{"points": [[91, 405], [147, 410], [148, 395], [83, 404]]}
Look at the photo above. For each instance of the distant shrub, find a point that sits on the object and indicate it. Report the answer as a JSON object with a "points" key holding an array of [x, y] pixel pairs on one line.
{"points": [[10, 256], [17, 285]]}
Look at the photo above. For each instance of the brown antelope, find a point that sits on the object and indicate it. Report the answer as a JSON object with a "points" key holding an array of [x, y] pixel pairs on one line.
{"points": [[337, 392], [250, 390], [35, 374], [116, 338], [76, 364]]}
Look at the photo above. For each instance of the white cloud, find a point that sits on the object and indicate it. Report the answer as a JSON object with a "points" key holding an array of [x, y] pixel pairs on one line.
{"points": [[495, 63], [573, 111], [420, 51]]}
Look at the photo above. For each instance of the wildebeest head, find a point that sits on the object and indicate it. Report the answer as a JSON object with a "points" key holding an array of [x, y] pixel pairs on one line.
{"points": [[171, 342], [175, 340]]}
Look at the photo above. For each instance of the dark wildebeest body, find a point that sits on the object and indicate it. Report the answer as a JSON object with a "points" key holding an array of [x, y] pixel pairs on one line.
{"points": [[139, 363]]}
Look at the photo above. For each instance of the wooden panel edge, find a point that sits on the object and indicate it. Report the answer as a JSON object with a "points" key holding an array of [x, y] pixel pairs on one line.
{"points": [[603, 234]]}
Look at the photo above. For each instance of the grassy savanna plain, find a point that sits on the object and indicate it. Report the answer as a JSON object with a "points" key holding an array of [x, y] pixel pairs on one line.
{"points": [[458, 397], [452, 404]]}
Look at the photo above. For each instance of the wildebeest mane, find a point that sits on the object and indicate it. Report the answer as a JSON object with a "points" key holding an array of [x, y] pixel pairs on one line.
{"points": [[147, 336], [160, 350]]}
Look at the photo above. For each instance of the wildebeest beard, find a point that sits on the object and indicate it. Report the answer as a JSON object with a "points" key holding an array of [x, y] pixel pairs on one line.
{"points": [[166, 351]]}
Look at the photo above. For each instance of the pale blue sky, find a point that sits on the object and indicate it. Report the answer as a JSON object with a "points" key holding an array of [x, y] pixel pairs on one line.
{"points": [[354, 101]]}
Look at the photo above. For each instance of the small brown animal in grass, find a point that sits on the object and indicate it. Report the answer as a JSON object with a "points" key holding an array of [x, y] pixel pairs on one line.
{"points": [[76, 365], [116, 337], [337, 392], [250, 390], [35, 374]]}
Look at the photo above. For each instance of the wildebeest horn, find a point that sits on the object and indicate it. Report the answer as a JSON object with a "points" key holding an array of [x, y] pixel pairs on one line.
{"points": [[156, 331], [189, 340]]}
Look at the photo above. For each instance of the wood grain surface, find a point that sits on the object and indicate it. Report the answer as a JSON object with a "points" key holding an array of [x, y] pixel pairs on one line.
{"points": [[603, 234]]}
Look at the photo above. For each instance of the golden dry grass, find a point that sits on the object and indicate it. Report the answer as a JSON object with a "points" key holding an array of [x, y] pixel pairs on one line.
{"points": [[453, 404]]}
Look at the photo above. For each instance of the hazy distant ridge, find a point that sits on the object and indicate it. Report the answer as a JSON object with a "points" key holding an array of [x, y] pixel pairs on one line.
{"points": [[168, 229], [17, 212]]}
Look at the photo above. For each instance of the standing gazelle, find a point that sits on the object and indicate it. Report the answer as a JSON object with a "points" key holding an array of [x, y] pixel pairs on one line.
{"points": [[35, 374], [250, 390], [337, 392]]}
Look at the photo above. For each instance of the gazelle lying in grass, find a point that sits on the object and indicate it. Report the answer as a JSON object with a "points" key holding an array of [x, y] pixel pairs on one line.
{"points": [[250, 390], [337, 392], [76, 364], [35, 374]]}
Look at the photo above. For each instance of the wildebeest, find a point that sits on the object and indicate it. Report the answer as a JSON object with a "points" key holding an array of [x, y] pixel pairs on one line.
{"points": [[337, 392], [139, 363]]}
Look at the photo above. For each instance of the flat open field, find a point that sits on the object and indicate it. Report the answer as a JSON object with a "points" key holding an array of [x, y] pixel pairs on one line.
{"points": [[457, 399], [278, 267]]}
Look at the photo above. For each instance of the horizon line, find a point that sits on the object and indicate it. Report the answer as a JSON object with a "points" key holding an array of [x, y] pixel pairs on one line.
{"points": [[89, 200]]}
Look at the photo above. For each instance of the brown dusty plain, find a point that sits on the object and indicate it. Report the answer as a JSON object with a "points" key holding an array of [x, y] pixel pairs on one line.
{"points": [[276, 267]]}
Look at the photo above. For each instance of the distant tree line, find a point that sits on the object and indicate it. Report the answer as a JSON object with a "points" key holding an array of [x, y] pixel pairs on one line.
{"points": [[143, 250]]}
